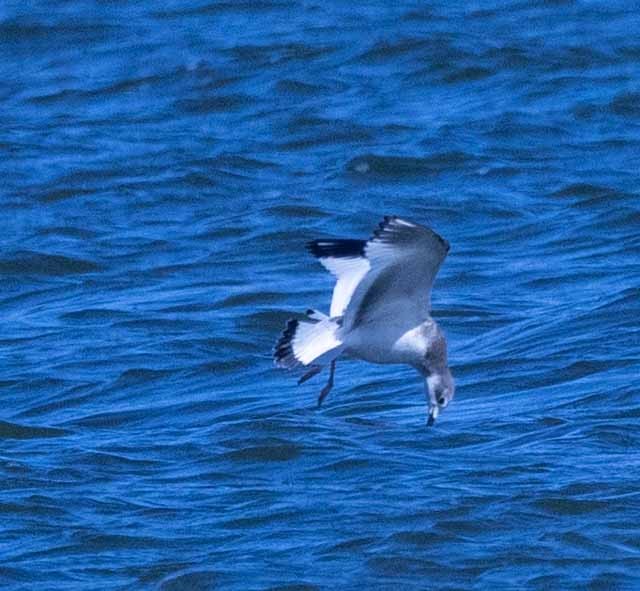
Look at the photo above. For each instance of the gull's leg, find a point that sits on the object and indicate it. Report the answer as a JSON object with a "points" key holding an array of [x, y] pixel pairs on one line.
{"points": [[312, 372], [329, 384]]}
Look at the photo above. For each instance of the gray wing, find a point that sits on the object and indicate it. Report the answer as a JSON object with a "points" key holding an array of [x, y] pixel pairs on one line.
{"points": [[404, 258]]}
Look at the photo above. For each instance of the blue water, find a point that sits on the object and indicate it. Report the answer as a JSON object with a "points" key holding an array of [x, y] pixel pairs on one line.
{"points": [[163, 165]]}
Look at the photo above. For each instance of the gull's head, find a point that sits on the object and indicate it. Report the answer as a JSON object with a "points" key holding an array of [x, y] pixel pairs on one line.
{"points": [[438, 379], [440, 391]]}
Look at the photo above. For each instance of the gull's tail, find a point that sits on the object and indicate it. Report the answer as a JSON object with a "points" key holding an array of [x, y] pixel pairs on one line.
{"points": [[305, 343]]}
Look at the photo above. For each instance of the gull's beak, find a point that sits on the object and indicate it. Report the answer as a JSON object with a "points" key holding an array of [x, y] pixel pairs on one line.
{"points": [[433, 415]]}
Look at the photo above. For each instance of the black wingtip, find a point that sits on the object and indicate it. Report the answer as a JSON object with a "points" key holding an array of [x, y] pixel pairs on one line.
{"points": [[390, 220], [346, 248], [445, 243]]}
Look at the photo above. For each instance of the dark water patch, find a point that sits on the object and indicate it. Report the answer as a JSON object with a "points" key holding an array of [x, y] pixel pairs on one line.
{"points": [[160, 325], [468, 74], [203, 580], [627, 104], [67, 232], [462, 440], [111, 542], [65, 97], [551, 422], [615, 436], [295, 587], [213, 104], [348, 465], [35, 506], [298, 88], [354, 544], [22, 30], [27, 262], [158, 571], [73, 396], [283, 237], [316, 132], [621, 217], [225, 230], [136, 83], [269, 320], [561, 506], [275, 54], [397, 166], [466, 528], [114, 462], [383, 51], [591, 196], [421, 14], [558, 281], [584, 190], [625, 301], [241, 7], [16, 431], [579, 541], [113, 420], [55, 195], [95, 316], [235, 162], [297, 211], [249, 299], [427, 539], [228, 366], [189, 308], [127, 86], [257, 521], [399, 566], [141, 375], [267, 451], [512, 125], [168, 270], [8, 573], [587, 111]]}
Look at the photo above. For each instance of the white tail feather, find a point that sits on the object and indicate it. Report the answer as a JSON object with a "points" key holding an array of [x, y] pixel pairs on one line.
{"points": [[308, 342], [313, 341]]}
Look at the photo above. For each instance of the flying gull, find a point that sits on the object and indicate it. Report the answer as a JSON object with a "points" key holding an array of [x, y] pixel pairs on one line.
{"points": [[379, 309]]}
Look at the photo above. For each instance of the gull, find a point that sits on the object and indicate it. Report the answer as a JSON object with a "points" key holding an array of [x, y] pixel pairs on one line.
{"points": [[380, 309]]}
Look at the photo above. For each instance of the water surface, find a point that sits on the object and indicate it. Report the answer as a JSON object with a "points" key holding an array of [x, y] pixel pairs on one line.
{"points": [[163, 165]]}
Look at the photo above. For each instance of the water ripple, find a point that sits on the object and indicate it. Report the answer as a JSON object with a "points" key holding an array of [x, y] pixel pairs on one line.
{"points": [[165, 167]]}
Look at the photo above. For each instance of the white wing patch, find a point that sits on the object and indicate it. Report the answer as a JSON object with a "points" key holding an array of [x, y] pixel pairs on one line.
{"points": [[348, 272]]}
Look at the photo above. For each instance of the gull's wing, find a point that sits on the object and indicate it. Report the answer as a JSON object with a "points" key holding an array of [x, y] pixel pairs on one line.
{"points": [[403, 259], [389, 274], [345, 260]]}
